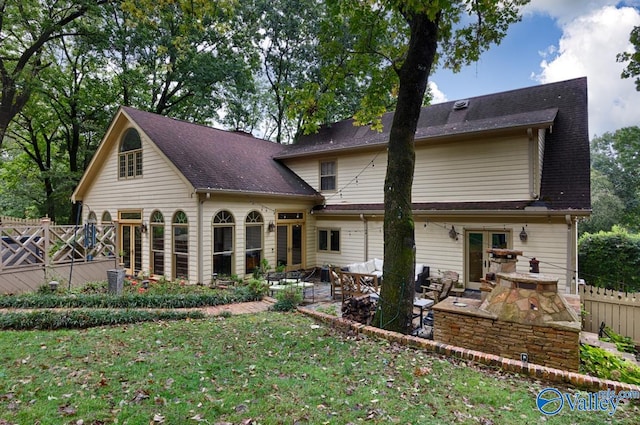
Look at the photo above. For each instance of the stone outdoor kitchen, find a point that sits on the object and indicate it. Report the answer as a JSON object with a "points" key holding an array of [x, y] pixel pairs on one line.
{"points": [[520, 316]]}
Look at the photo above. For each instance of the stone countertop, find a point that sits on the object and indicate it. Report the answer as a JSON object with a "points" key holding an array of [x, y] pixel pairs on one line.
{"points": [[466, 306], [534, 278]]}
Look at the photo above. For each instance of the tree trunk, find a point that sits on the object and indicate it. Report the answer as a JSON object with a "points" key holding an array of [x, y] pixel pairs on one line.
{"points": [[398, 290]]}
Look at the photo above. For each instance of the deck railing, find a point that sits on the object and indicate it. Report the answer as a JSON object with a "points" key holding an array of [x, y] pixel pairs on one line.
{"points": [[46, 244]]}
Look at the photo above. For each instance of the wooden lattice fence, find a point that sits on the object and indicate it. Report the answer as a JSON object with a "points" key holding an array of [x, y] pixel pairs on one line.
{"points": [[618, 310], [31, 254]]}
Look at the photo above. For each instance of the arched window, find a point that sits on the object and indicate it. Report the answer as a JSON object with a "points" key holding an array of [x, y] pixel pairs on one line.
{"points": [[106, 218], [130, 156], [180, 226], [254, 229], [157, 243], [223, 226]]}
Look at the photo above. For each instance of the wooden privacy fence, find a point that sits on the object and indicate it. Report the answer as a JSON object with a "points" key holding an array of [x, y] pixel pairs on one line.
{"points": [[618, 310], [42, 251]]}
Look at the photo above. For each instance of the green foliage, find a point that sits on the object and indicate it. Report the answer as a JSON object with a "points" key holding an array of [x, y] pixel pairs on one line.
{"points": [[126, 300], [257, 288], [287, 300], [603, 364], [633, 58], [615, 156], [81, 319], [331, 310], [607, 208], [623, 343], [610, 259], [262, 270]]}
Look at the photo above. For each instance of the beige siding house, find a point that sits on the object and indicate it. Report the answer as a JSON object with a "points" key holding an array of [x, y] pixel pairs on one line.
{"points": [[504, 170]]}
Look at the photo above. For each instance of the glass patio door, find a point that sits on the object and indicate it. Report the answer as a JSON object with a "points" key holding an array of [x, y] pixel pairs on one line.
{"points": [[131, 247], [290, 246], [477, 257]]}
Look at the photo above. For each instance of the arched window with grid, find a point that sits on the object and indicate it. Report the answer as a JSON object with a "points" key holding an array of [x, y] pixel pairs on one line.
{"points": [[223, 243]]}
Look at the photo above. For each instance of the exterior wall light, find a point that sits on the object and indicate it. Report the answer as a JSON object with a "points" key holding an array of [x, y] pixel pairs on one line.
{"points": [[523, 235]]}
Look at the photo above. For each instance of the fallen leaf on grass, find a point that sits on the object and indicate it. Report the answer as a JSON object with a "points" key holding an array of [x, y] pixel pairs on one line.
{"points": [[67, 410], [421, 371], [140, 395]]}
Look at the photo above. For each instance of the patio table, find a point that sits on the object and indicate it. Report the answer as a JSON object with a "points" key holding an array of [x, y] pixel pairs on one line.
{"points": [[423, 304]]}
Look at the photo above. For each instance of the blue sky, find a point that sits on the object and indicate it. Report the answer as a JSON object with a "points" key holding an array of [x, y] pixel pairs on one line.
{"points": [[559, 40]]}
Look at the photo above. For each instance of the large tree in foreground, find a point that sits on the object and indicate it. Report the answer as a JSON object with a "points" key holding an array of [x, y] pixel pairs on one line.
{"points": [[457, 32]]}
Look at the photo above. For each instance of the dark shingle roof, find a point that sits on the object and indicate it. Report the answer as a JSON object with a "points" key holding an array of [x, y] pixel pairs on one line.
{"points": [[565, 175], [212, 159]]}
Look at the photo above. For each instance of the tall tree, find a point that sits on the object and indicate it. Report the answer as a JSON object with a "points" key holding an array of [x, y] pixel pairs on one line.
{"points": [[615, 156], [607, 208], [174, 57], [633, 58], [27, 26], [455, 32]]}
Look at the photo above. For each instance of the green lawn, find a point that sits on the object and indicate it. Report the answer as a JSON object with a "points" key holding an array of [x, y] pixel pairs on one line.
{"points": [[268, 368]]}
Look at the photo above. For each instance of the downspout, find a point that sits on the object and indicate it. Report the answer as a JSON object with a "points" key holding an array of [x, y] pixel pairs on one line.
{"points": [[571, 248], [199, 232], [366, 237]]}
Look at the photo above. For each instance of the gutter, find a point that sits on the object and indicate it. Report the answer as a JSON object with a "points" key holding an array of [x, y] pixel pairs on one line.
{"points": [[261, 194], [366, 236]]}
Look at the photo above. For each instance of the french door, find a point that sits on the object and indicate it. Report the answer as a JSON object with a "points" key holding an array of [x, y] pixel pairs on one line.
{"points": [[131, 247], [130, 240], [290, 245], [477, 257]]}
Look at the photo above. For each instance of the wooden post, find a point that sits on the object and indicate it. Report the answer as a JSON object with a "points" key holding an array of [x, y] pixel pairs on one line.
{"points": [[45, 222]]}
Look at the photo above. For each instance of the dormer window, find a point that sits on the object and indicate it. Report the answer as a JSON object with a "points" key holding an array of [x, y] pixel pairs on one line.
{"points": [[130, 155]]}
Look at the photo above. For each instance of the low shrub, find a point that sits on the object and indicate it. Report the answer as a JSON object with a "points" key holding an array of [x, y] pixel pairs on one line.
{"points": [[623, 343], [598, 362], [84, 318], [287, 300], [128, 300]]}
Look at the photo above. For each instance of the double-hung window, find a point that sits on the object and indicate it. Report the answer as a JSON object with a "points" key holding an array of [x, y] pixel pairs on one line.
{"points": [[328, 175]]}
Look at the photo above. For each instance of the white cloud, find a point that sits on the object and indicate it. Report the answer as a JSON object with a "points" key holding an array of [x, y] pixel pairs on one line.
{"points": [[588, 47], [567, 10], [436, 95]]}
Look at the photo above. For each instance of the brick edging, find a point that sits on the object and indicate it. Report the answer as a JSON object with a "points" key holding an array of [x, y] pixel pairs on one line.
{"points": [[536, 371]]}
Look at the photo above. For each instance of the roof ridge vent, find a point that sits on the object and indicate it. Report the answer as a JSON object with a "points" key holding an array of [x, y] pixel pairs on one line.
{"points": [[461, 104]]}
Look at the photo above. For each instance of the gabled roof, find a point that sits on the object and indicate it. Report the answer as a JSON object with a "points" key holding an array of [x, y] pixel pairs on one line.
{"points": [[561, 107], [217, 160]]}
